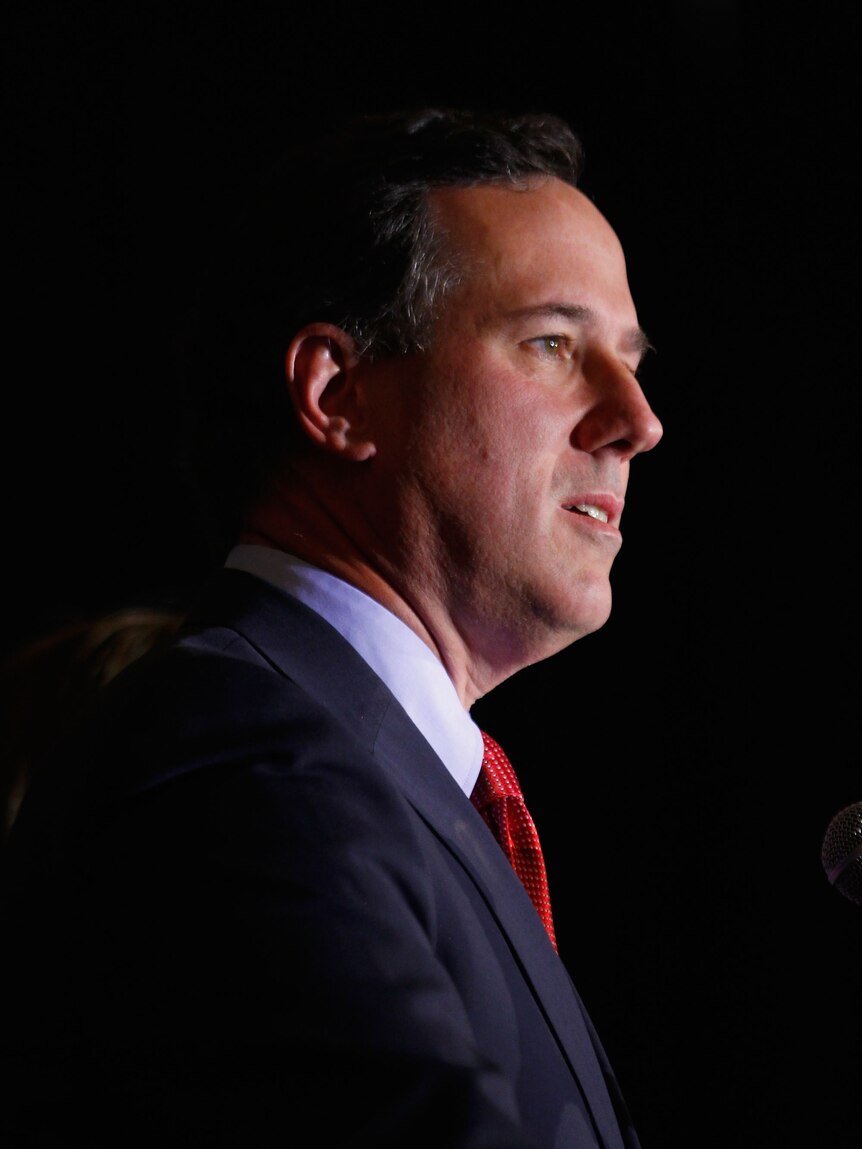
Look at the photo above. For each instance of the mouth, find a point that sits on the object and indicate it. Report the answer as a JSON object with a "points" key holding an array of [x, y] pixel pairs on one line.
{"points": [[589, 510]]}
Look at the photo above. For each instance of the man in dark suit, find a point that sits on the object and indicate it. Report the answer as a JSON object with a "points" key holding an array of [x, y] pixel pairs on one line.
{"points": [[252, 902]]}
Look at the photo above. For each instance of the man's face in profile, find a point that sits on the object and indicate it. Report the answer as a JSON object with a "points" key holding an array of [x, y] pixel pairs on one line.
{"points": [[509, 439]]}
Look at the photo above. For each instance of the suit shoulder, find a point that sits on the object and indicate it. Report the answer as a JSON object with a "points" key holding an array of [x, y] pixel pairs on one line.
{"points": [[199, 707]]}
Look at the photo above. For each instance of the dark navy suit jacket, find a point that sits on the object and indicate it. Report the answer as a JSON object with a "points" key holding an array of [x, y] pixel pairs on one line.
{"points": [[250, 906]]}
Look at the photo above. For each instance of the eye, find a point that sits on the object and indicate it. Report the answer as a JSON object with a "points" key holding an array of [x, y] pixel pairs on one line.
{"points": [[553, 346]]}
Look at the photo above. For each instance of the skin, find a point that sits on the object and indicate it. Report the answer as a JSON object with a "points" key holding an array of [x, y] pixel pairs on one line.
{"points": [[441, 483]]}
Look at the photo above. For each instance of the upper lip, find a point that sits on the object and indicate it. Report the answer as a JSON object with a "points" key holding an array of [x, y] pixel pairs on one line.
{"points": [[609, 504]]}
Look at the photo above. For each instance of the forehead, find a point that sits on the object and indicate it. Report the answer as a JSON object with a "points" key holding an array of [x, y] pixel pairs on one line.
{"points": [[546, 239]]}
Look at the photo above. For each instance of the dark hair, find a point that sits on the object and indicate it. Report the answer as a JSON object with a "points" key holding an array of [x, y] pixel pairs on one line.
{"points": [[391, 269], [340, 231]]}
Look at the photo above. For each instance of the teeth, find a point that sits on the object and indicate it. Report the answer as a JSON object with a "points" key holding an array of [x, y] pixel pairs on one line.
{"points": [[593, 512]]}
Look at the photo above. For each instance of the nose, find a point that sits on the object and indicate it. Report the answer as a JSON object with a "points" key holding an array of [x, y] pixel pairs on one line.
{"points": [[620, 417]]}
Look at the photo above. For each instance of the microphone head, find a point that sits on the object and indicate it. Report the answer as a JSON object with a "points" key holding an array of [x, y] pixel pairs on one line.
{"points": [[841, 853]]}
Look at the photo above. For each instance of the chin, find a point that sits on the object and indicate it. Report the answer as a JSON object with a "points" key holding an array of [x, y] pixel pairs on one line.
{"points": [[573, 611], [590, 611]]}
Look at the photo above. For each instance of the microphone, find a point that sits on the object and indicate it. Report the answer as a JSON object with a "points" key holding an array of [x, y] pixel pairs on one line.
{"points": [[841, 853]]}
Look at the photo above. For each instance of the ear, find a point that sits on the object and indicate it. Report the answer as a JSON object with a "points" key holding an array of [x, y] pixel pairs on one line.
{"points": [[325, 385]]}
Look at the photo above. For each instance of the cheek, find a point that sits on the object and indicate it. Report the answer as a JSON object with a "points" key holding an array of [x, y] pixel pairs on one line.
{"points": [[489, 428], [523, 446]]}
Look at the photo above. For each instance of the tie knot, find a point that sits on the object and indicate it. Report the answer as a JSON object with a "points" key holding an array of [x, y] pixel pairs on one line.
{"points": [[499, 775]]}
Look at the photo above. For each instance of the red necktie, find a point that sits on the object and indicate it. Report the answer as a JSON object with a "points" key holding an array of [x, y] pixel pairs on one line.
{"points": [[498, 798]]}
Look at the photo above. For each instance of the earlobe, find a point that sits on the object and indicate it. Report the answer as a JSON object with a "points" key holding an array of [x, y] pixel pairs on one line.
{"points": [[324, 385]]}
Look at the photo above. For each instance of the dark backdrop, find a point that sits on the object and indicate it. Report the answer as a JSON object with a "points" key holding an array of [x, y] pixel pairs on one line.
{"points": [[683, 763]]}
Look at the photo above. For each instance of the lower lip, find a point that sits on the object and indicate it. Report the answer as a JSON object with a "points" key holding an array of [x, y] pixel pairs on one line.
{"points": [[595, 524]]}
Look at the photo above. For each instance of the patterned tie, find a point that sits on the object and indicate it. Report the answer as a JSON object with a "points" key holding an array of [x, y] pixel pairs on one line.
{"points": [[498, 798]]}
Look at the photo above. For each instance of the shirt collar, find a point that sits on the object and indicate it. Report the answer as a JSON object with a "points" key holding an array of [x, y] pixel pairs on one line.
{"points": [[393, 651]]}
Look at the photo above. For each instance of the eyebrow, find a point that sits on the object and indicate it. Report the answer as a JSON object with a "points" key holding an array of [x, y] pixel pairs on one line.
{"points": [[635, 339]]}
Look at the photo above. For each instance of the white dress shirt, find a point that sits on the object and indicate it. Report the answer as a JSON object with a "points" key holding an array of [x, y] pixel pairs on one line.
{"points": [[393, 651]]}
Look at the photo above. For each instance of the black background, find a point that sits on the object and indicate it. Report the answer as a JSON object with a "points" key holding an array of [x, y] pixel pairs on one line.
{"points": [[682, 763]]}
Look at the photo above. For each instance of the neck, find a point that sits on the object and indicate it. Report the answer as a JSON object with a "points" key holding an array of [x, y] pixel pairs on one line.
{"points": [[292, 518], [296, 517]]}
